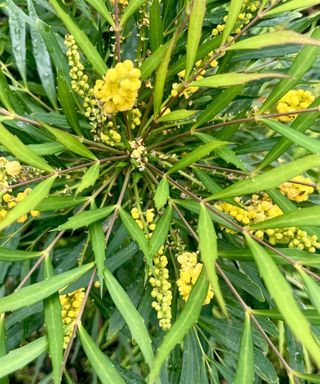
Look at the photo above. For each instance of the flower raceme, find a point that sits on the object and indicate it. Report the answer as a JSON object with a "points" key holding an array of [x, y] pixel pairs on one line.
{"points": [[118, 90], [294, 100]]}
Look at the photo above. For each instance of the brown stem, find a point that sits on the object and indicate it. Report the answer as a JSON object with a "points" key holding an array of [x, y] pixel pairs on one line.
{"points": [[117, 31]]}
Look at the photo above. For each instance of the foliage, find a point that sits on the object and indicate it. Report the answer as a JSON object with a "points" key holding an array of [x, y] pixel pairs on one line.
{"points": [[159, 178]]}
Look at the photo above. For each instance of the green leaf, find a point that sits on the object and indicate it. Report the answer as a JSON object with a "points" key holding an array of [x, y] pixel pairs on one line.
{"points": [[136, 233], [301, 65], [281, 292], [130, 9], [312, 289], [293, 5], [5, 92], [67, 103], [300, 217], [17, 28], [15, 146], [131, 316], [269, 179], [102, 365], [312, 145], [101, 8], [194, 33], [70, 142], [156, 29], [232, 78], [234, 10], [49, 148], [10, 255], [151, 63], [197, 154], [301, 123], [312, 378], [98, 243], [32, 200], [42, 58], [89, 178], [54, 326], [20, 357], [84, 219], [209, 253], [245, 366], [160, 234], [33, 293], [225, 153], [179, 114], [3, 345], [53, 203], [81, 39], [185, 320], [162, 193], [274, 38]]}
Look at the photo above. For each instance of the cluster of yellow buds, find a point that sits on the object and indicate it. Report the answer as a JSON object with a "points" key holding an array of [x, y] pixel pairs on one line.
{"points": [[161, 292], [71, 304], [9, 201], [293, 100], [79, 81], [260, 208], [159, 279], [139, 154], [187, 92], [135, 117], [118, 90], [189, 272], [109, 135], [9, 169], [122, 2], [295, 191]]}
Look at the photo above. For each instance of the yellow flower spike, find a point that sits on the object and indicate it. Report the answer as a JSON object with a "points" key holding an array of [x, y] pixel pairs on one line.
{"points": [[13, 168], [293, 100], [297, 192]]}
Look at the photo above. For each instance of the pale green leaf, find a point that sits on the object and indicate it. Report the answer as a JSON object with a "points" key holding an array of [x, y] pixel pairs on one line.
{"points": [[312, 289], [52, 203], [160, 234], [162, 193], [98, 243], [99, 6], [179, 114], [89, 178], [293, 5], [10, 255], [234, 10], [130, 9]]}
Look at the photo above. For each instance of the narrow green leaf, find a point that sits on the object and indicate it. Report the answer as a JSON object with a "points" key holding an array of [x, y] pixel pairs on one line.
{"points": [[274, 38], [301, 123], [15, 146], [209, 253], [281, 292], [160, 234], [102, 365], [53, 203], [42, 58], [20, 357], [301, 65], [304, 216], [130, 9], [131, 316], [54, 326], [185, 320], [67, 103], [312, 378], [162, 193], [136, 233], [225, 153], [33, 293], [49, 148], [10, 255], [312, 288], [293, 5], [179, 114], [197, 154], [89, 178], [194, 33], [70, 142], [3, 344], [98, 242], [101, 8], [234, 10], [81, 39], [84, 219], [32, 200], [151, 63], [312, 145], [5, 92], [245, 366], [156, 29], [232, 78], [269, 179], [17, 28]]}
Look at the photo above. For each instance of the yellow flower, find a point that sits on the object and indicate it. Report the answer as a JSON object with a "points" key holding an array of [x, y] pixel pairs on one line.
{"points": [[293, 100], [13, 168]]}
